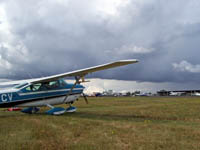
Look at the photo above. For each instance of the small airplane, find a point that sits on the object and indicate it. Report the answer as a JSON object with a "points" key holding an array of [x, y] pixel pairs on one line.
{"points": [[51, 90], [142, 94], [174, 94], [196, 94]]}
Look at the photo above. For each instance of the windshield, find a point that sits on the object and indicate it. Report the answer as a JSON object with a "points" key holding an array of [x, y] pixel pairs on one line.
{"points": [[20, 85]]}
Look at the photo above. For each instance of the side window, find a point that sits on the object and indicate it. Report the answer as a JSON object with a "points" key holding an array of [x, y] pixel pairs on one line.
{"points": [[49, 85], [45, 86], [62, 82], [33, 88], [53, 84]]}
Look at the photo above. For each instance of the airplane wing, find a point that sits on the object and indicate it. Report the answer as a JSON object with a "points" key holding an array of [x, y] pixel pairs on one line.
{"points": [[80, 73], [83, 72]]}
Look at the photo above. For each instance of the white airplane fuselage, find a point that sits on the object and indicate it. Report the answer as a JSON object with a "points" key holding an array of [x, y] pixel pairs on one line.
{"points": [[40, 94], [51, 101]]}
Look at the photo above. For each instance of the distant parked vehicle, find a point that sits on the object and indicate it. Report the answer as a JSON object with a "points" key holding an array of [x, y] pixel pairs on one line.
{"points": [[98, 94]]}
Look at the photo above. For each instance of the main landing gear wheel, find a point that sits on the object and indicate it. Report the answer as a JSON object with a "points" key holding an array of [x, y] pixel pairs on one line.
{"points": [[30, 110], [55, 110], [71, 109]]}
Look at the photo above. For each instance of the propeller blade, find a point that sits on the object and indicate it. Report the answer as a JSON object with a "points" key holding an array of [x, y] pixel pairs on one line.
{"points": [[85, 98]]}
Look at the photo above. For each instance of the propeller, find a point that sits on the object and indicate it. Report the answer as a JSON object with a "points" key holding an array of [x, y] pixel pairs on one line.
{"points": [[85, 98]]}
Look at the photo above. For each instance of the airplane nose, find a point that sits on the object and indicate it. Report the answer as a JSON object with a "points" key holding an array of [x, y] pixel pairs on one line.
{"points": [[80, 86]]}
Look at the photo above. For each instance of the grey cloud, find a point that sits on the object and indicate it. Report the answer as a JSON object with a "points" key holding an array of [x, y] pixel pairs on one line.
{"points": [[185, 66], [60, 36]]}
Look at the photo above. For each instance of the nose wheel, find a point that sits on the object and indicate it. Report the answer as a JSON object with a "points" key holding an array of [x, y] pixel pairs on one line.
{"points": [[71, 109]]}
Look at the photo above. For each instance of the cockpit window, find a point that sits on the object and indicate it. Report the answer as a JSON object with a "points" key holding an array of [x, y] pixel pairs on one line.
{"points": [[50, 85], [28, 89], [54, 84], [62, 82], [45, 86], [33, 87], [36, 87]]}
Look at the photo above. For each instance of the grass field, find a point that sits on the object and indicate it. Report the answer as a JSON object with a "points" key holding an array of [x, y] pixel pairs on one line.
{"points": [[140, 123]]}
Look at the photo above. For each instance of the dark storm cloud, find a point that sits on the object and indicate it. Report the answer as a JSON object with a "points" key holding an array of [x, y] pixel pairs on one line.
{"points": [[50, 37]]}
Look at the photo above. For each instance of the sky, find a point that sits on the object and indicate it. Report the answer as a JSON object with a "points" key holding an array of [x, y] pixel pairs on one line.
{"points": [[45, 37]]}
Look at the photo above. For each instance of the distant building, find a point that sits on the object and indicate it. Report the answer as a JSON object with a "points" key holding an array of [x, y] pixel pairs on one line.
{"points": [[178, 93], [163, 93]]}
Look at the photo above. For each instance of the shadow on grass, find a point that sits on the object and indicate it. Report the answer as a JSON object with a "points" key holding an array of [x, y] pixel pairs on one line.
{"points": [[114, 117], [97, 116]]}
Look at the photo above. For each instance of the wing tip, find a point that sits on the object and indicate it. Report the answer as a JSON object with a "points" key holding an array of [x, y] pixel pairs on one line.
{"points": [[129, 61]]}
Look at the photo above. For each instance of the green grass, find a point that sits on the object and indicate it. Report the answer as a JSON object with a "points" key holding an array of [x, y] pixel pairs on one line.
{"points": [[140, 123]]}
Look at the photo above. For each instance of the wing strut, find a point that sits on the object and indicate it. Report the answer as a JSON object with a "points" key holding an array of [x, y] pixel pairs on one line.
{"points": [[76, 82]]}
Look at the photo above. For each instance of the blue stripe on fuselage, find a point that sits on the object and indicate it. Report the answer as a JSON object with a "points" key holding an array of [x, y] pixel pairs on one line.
{"points": [[23, 96]]}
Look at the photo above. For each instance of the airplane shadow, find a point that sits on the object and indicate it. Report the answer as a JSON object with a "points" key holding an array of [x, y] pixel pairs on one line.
{"points": [[111, 117], [98, 116]]}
